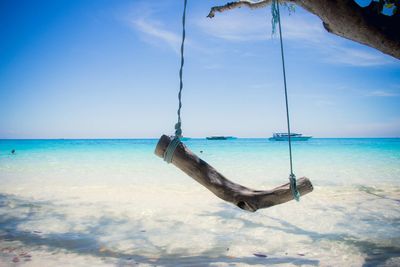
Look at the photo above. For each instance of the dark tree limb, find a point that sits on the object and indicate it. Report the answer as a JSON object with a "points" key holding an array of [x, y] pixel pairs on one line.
{"points": [[243, 197], [238, 4], [346, 19]]}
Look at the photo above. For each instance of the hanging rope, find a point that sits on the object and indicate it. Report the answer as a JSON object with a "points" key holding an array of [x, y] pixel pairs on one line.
{"points": [[169, 152], [277, 18], [178, 125]]}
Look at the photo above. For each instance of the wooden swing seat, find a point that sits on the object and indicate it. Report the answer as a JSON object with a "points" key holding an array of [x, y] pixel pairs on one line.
{"points": [[243, 197]]}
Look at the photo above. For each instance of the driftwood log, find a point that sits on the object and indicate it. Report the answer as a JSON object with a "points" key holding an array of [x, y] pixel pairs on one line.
{"points": [[243, 197]]}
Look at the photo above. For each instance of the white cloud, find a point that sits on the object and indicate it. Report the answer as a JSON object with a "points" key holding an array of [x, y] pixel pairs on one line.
{"points": [[241, 26], [235, 26], [212, 67], [389, 128], [264, 86], [333, 49], [324, 103], [156, 32], [339, 54], [381, 93], [301, 28]]}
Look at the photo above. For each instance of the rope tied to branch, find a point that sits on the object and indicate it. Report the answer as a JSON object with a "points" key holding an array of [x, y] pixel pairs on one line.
{"points": [[276, 19], [170, 151]]}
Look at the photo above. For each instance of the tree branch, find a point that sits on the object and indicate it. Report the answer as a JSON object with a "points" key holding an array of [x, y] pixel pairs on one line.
{"points": [[238, 4], [344, 18]]}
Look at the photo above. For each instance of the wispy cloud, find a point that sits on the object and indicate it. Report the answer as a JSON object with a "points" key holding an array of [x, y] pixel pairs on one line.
{"points": [[339, 54], [146, 19], [308, 30], [333, 49], [301, 28], [155, 31], [381, 93], [324, 103], [389, 128], [212, 66], [235, 26], [251, 26]]}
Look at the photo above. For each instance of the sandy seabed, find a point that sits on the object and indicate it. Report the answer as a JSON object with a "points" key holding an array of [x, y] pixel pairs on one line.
{"points": [[188, 226], [113, 203]]}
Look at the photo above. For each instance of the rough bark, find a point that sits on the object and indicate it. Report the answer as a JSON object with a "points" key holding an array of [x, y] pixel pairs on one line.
{"points": [[346, 19], [243, 197]]}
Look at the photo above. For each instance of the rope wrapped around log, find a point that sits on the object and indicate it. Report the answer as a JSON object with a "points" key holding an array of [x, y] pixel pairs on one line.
{"points": [[243, 197]]}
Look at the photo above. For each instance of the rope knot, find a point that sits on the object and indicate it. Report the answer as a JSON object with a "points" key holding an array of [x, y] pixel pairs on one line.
{"points": [[178, 130], [293, 187]]}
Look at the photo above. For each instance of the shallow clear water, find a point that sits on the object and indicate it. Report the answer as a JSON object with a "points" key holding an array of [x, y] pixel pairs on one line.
{"points": [[113, 202]]}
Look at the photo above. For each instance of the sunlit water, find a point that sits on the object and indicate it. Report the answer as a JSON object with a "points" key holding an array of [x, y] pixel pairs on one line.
{"points": [[113, 202]]}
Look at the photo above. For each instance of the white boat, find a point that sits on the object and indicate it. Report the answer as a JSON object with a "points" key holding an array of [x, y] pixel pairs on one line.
{"points": [[285, 137]]}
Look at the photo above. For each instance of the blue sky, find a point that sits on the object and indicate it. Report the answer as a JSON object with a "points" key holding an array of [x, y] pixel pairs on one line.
{"points": [[109, 69]]}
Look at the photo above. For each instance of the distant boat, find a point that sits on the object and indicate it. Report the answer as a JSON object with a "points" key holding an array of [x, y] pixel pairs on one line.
{"points": [[220, 137], [285, 137]]}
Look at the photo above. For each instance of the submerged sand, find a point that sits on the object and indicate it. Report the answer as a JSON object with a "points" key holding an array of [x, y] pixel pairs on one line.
{"points": [[113, 203], [181, 226]]}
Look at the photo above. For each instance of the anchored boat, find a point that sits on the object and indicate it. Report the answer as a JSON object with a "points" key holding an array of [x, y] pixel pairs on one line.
{"points": [[220, 137], [285, 137]]}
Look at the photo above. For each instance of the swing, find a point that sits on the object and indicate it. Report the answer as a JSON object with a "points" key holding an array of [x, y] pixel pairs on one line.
{"points": [[172, 150]]}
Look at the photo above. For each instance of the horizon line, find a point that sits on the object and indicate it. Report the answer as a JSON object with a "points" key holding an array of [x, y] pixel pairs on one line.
{"points": [[190, 138]]}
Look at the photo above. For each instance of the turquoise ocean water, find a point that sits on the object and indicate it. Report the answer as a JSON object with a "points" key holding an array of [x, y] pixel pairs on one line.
{"points": [[110, 202]]}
